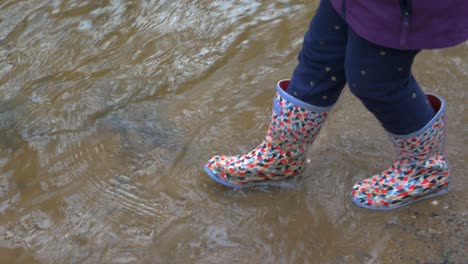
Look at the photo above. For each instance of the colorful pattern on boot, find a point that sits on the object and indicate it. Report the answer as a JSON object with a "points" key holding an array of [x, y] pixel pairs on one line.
{"points": [[420, 170], [294, 125]]}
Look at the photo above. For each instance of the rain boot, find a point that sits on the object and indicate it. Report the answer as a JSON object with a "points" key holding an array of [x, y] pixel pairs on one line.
{"points": [[420, 171], [280, 157]]}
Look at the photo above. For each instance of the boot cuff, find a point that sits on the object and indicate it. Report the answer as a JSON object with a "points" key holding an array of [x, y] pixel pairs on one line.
{"points": [[281, 88], [439, 108]]}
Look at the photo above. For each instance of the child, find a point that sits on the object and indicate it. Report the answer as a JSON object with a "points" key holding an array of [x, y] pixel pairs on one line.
{"points": [[371, 46]]}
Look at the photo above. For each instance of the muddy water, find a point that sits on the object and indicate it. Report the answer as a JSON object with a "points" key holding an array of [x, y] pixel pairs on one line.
{"points": [[110, 108]]}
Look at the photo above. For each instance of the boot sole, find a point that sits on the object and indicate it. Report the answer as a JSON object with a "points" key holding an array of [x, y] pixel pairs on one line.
{"points": [[284, 184], [439, 192]]}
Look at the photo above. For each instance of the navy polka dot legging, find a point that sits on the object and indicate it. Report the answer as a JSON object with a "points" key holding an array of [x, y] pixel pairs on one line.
{"points": [[332, 54]]}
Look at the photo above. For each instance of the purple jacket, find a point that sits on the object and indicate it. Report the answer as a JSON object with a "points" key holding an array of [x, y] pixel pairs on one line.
{"points": [[407, 24]]}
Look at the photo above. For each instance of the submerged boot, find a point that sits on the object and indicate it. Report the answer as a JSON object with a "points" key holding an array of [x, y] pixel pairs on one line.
{"points": [[293, 127], [420, 170]]}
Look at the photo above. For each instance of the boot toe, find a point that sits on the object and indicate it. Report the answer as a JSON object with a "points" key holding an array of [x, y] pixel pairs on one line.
{"points": [[216, 169], [214, 166], [368, 196], [359, 195]]}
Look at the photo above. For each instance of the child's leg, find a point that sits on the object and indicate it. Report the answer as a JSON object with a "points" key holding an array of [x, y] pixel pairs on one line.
{"points": [[300, 108], [381, 77], [320, 77]]}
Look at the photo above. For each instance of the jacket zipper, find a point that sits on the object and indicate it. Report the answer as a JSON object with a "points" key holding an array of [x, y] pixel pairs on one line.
{"points": [[343, 9], [405, 6]]}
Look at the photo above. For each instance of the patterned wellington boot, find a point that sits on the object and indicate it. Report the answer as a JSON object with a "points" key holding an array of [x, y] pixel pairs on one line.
{"points": [[280, 157], [420, 170]]}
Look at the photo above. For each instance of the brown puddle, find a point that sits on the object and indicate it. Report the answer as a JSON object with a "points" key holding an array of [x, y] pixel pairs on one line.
{"points": [[110, 108]]}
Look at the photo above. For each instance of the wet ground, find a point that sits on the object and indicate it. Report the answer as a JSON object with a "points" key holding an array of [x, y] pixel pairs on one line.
{"points": [[110, 108]]}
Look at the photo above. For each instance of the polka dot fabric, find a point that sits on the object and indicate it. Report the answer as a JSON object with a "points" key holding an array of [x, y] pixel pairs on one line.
{"points": [[280, 157], [420, 170]]}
